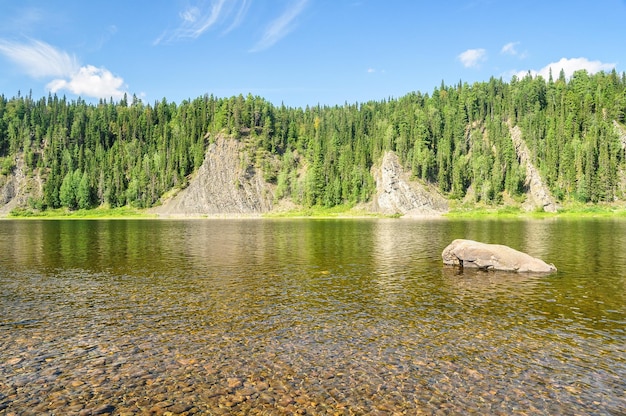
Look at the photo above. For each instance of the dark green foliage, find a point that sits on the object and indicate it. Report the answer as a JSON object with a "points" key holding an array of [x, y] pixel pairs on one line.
{"points": [[457, 137]]}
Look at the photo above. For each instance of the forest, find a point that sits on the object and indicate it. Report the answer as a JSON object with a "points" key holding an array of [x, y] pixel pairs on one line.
{"points": [[129, 153]]}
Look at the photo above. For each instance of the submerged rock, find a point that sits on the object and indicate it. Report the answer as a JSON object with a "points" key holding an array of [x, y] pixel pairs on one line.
{"points": [[474, 254]]}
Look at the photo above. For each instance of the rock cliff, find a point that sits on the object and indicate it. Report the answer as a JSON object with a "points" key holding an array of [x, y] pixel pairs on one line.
{"points": [[17, 188], [396, 193], [621, 173], [539, 195], [227, 183], [621, 133]]}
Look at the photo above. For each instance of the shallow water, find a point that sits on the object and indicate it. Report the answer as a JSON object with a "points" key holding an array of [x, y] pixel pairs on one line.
{"points": [[308, 316]]}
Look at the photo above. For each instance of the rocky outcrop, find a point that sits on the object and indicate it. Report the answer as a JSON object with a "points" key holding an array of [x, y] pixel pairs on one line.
{"points": [[621, 133], [621, 172], [539, 196], [396, 193], [477, 255], [227, 183], [17, 188]]}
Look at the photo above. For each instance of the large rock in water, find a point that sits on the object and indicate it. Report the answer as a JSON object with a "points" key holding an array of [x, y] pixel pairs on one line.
{"points": [[473, 254]]}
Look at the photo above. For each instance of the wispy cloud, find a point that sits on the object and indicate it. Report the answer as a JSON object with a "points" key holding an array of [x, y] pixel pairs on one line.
{"points": [[281, 26], [472, 58], [38, 59], [108, 34], [510, 48], [28, 20], [41, 60], [196, 20], [241, 13], [24, 20], [569, 66]]}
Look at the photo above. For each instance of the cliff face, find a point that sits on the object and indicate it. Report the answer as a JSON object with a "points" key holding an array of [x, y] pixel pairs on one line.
{"points": [[227, 183], [621, 133], [538, 193], [396, 193], [17, 188]]}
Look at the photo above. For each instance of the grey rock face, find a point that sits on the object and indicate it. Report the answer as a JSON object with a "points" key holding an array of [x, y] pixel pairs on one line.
{"points": [[538, 193], [398, 194], [226, 183]]}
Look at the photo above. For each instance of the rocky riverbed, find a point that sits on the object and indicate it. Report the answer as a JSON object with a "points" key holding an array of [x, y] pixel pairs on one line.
{"points": [[319, 317], [154, 350]]}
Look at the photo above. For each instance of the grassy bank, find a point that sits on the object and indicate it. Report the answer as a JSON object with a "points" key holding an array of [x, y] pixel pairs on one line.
{"points": [[566, 211], [96, 213], [339, 211], [344, 211]]}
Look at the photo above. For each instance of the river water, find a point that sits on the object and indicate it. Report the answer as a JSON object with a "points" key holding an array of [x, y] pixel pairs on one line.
{"points": [[343, 317]]}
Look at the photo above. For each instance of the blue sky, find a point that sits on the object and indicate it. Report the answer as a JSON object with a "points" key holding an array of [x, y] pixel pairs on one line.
{"points": [[296, 52]]}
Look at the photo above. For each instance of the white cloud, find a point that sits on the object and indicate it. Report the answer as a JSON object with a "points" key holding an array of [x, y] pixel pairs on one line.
{"points": [[243, 9], [281, 26], [569, 66], [510, 48], [91, 82], [370, 70], [471, 58], [201, 24], [41, 60], [197, 20], [190, 15]]}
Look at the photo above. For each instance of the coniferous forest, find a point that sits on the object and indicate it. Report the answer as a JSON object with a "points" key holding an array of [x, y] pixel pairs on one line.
{"points": [[457, 137]]}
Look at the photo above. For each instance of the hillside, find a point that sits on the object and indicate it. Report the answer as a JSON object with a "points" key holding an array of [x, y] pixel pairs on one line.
{"points": [[538, 194], [227, 183], [530, 142]]}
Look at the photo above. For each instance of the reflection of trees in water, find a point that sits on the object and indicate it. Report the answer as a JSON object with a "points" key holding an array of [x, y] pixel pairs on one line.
{"points": [[347, 259], [22, 244], [402, 246]]}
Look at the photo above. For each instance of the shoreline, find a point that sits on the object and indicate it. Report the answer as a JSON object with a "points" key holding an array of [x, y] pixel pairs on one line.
{"points": [[504, 212]]}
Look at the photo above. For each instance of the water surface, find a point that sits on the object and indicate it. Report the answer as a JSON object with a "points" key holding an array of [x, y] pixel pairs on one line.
{"points": [[313, 316]]}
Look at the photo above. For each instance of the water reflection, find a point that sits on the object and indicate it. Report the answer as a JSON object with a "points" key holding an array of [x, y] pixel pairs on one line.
{"points": [[323, 316]]}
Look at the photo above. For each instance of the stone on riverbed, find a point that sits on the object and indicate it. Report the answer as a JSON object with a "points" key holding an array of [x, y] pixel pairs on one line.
{"points": [[474, 254]]}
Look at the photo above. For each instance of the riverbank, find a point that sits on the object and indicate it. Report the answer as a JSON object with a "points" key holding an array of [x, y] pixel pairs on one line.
{"points": [[96, 213], [573, 210], [341, 211]]}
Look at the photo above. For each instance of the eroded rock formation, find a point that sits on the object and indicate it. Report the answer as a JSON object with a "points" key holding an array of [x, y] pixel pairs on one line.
{"points": [[396, 193], [538, 193], [17, 188], [227, 183]]}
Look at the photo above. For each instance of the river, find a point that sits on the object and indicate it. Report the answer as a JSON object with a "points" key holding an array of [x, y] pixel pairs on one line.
{"points": [[286, 316]]}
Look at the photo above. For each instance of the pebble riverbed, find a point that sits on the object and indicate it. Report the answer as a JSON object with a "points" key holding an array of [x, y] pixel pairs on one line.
{"points": [[314, 318], [79, 344]]}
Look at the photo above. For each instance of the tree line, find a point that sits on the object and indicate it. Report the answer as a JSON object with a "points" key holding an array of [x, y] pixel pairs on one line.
{"points": [[457, 137]]}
